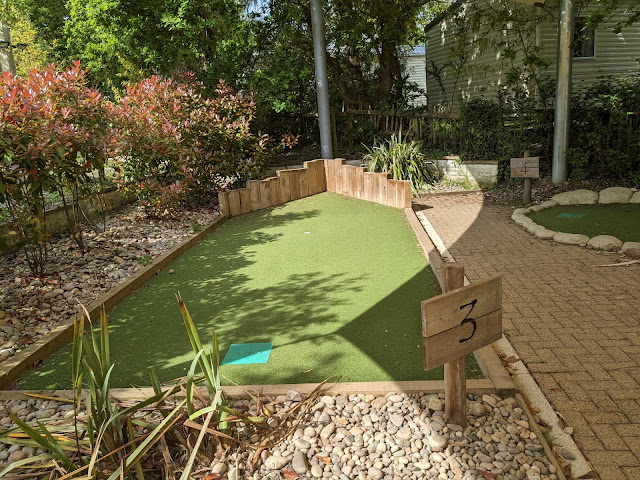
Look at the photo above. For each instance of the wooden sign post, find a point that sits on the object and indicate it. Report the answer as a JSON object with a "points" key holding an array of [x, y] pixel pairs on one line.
{"points": [[527, 168], [458, 322]]}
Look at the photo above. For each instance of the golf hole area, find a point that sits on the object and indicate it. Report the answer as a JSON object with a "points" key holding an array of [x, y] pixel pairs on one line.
{"points": [[620, 220], [333, 283]]}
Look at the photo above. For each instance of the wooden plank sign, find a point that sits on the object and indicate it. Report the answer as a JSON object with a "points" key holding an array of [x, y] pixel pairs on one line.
{"points": [[461, 321], [527, 167]]}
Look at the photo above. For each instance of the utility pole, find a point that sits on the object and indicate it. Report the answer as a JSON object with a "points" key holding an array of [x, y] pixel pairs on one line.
{"points": [[6, 50], [322, 85], [562, 110]]}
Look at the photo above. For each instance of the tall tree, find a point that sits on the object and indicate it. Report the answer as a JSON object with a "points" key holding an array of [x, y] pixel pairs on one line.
{"points": [[364, 41], [126, 40]]}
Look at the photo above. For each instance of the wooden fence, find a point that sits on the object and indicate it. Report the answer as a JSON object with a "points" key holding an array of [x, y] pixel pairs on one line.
{"points": [[356, 182], [316, 176]]}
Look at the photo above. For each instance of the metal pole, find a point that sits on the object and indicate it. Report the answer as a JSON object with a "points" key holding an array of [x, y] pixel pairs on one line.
{"points": [[6, 52], [563, 92], [322, 85]]}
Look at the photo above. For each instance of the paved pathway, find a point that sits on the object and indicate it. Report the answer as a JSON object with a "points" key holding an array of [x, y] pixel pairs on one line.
{"points": [[576, 326]]}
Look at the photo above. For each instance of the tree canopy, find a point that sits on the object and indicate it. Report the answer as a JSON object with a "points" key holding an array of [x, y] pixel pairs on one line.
{"points": [[259, 46]]}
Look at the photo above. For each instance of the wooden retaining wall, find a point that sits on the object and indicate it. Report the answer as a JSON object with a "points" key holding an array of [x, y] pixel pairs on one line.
{"points": [[286, 186], [316, 176], [356, 182]]}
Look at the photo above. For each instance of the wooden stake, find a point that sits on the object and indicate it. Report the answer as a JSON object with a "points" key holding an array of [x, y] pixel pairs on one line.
{"points": [[245, 199], [234, 203], [455, 374], [527, 185], [223, 201]]}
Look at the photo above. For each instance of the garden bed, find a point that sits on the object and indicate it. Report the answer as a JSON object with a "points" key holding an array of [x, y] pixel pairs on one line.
{"points": [[30, 307], [333, 282]]}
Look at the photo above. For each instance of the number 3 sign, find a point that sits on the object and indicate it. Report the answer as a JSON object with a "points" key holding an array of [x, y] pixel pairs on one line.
{"points": [[461, 321]]}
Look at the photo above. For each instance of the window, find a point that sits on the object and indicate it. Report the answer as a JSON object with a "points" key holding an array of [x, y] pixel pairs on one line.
{"points": [[584, 39]]}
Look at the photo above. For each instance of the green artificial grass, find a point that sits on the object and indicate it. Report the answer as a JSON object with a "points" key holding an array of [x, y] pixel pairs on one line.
{"points": [[335, 283], [620, 220]]}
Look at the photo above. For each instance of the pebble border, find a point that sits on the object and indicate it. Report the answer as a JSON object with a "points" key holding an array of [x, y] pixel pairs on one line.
{"points": [[611, 195]]}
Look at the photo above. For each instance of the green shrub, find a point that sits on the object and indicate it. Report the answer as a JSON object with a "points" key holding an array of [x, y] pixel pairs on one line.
{"points": [[403, 159], [605, 120]]}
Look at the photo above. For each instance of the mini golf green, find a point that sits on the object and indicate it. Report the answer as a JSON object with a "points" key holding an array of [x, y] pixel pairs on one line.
{"points": [[333, 282], [620, 220]]}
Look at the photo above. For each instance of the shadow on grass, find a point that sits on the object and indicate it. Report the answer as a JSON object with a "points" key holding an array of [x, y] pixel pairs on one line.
{"points": [[325, 319]]}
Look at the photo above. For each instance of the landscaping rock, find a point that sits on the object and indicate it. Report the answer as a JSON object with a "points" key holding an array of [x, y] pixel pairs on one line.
{"points": [[521, 211], [425, 446], [532, 227], [299, 463], [543, 205], [275, 462], [571, 238], [544, 233], [607, 243], [615, 195], [520, 219], [631, 250], [635, 198], [576, 197]]}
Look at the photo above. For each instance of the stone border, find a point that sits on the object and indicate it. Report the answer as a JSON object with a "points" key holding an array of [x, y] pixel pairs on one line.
{"points": [[608, 243], [495, 382]]}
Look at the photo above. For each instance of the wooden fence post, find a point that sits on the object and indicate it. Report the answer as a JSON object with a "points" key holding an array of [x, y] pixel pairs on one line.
{"points": [[455, 374]]}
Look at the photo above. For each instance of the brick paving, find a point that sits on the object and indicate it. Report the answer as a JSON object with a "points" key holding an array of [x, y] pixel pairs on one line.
{"points": [[576, 326]]}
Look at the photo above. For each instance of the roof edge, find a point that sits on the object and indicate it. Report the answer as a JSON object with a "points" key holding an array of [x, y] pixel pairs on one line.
{"points": [[454, 6]]}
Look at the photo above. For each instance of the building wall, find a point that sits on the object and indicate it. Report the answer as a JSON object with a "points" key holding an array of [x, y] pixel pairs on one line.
{"points": [[615, 54], [415, 67], [484, 72]]}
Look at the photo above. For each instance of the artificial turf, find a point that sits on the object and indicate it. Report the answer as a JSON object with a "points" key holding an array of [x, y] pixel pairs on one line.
{"points": [[620, 220], [335, 283]]}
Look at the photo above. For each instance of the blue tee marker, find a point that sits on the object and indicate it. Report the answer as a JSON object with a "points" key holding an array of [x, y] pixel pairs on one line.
{"points": [[246, 353], [571, 215]]}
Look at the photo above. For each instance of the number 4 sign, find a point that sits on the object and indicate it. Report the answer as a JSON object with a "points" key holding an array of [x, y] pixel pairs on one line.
{"points": [[461, 321]]}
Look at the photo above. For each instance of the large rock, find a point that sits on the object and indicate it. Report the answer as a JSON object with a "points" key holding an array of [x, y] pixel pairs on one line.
{"points": [[544, 233], [605, 242], [519, 218], [544, 206], [571, 238], [635, 198], [631, 249], [532, 227], [576, 197], [615, 195], [522, 211]]}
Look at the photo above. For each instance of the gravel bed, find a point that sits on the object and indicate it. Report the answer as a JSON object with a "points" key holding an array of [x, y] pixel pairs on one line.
{"points": [[30, 307], [402, 436], [397, 436]]}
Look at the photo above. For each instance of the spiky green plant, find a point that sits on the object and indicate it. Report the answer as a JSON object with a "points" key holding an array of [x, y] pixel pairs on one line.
{"points": [[111, 442], [403, 159], [105, 441]]}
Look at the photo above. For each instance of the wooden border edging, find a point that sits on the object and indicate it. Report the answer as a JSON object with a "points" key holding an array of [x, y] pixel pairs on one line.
{"points": [[16, 367], [478, 386], [357, 182], [487, 359], [536, 429], [286, 186]]}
